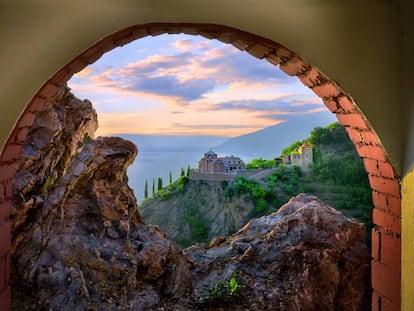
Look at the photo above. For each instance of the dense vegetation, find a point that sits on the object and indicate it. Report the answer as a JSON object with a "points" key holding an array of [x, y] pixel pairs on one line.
{"points": [[337, 175], [265, 200]]}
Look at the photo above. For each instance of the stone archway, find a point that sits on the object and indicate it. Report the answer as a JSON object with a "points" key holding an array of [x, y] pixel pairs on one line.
{"points": [[386, 235]]}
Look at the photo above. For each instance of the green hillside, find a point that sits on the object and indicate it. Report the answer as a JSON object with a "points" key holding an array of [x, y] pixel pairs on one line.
{"points": [[337, 176]]}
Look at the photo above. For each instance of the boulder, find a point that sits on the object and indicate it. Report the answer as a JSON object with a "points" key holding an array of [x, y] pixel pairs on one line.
{"points": [[306, 256], [78, 240]]}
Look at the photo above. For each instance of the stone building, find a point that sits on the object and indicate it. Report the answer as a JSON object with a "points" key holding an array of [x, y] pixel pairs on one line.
{"points": [[211, 163], [302, 159]]}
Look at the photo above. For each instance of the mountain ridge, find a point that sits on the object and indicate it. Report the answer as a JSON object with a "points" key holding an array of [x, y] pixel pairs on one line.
{"points": [[257, 144]]}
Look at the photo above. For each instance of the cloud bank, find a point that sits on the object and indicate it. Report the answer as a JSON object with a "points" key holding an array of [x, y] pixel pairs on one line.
{"points": [[179, 84]]}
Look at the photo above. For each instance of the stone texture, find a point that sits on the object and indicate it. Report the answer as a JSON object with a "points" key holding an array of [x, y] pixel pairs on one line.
{"points": [[306, 256], [78, 242]]}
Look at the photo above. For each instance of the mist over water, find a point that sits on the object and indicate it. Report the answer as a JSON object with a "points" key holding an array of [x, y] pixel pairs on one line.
{"points": [[160, 154]]}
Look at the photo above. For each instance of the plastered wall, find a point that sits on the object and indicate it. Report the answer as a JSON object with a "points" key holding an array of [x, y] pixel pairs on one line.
{"points": [[357, 45]]}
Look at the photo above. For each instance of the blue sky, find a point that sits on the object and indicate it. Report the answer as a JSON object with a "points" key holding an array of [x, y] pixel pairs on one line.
{"points": [[189, 85]]}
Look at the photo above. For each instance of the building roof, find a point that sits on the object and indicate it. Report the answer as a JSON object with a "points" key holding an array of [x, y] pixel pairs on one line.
{"points": [[211, 152]]}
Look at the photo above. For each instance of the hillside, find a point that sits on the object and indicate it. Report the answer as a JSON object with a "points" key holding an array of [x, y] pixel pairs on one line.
{"points": [[198, 211], [202, 210]]}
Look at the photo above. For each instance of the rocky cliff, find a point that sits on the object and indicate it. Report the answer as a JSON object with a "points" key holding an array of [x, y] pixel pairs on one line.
{"points": [[80, 244], [199, 212], [78, 241]]}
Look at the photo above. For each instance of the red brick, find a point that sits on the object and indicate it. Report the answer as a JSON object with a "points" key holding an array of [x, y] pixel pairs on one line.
{"points": [[354, 120], [294, 66], [189, 30], [354, 135], [8, 269], [5, 237], [375, 244], [379, 200], [78, 64], [328, 89], [371, 166], [273, 59], [387, 221], [227, 37], [157, 30], [284, 54], [391, 252], [387, 203], [376, 301], [10, 153], [21, 135], [8, 170], [105, 44], [380, 303], [9, 188], [370, 137], [61, 77], [394, 205], [386, 169], [5, 299], [5, 210], [90, 56], [139, 32], [386, 282], [174, 30], [36, 104], [123, 37], [312, 77], [208, 34], [331, 104], [380, 184], [371, 152], [26, 119], [3, 276], [48, 90], [259, 51], [346, 104], [2, 191], [241, 44]]}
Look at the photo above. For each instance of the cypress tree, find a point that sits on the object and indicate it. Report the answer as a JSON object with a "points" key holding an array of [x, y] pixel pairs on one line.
{"points": [[146, 190], [188, 171], [153, 186], [159, 183], [182, 171], [170, 177]]}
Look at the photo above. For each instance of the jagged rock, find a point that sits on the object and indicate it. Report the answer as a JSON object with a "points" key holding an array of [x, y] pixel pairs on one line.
{"points": [[306, 256], [78, 240]]}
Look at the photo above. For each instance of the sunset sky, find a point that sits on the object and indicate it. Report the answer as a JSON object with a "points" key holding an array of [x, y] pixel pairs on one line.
{"points": [[189, 85]]}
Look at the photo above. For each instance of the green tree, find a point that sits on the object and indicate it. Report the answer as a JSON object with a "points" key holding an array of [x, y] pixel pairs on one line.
{"points": [[170, 178], [182, 171], [293, 148], [159, 183], [153, 186], [260, 163], [188, 171], [146, 190]]}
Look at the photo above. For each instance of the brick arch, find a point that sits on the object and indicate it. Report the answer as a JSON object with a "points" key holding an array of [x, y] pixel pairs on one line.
{"points": [[386, 194]]}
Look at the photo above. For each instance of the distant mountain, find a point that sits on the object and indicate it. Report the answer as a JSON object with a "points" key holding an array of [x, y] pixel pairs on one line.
{"points": [[270, 141], [160, 154]]}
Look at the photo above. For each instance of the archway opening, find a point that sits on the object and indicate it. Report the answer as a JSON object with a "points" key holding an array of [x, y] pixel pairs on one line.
{"points": [[384, 182]]}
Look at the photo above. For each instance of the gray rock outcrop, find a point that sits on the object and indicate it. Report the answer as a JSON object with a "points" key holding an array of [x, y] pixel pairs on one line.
{"points": [[79, 242]]}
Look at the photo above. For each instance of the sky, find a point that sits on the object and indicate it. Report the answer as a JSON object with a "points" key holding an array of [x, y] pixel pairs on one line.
{"points": [[189, 85]]}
